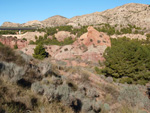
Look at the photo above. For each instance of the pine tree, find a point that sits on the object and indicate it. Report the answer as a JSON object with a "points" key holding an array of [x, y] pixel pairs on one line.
{"points": [[128, 61], [39, 52]]}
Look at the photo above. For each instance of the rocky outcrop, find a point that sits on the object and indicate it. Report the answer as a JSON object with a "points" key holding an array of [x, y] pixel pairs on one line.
{"points": [[95, 38], [89, 47], [12, 41]]}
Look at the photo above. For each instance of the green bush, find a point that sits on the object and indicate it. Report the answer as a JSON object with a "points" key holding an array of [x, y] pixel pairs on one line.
{"points": [[52, 30], [1, 44], [8, 32], [111, 30], [39, 52], [54, 41], [15, 46], [98, 71], [148, 35], [24, 39], [127, 60], [31, 42]]}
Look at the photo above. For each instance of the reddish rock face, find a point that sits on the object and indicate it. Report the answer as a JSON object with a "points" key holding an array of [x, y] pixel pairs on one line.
{"points": [[94, 54], [52, 50], [93, 37], [29, 49], [21, 44], [11, 41], [89, 47]]}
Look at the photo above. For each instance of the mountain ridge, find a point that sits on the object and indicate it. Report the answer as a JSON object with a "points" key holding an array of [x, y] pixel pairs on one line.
{"points": [[132, 13]]}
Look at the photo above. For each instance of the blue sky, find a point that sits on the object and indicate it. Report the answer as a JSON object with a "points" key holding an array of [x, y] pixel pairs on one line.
{"points": [[21, 11]]}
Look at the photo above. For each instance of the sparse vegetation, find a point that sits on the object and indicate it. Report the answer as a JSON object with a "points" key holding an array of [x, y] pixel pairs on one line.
{"points": [[52, 30], [111, 30], [15, 46], [71, 80], [8, 32], [54, 41], [133, 97], [24, 39], [7, 54]]}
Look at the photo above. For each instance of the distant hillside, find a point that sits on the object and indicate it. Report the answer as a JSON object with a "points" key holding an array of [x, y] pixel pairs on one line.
{"points": [[132, 13]]}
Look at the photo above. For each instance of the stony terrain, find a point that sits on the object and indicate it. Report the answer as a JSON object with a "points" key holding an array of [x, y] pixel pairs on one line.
{"points": [[132, 13], [67, 80], [29, 85]]}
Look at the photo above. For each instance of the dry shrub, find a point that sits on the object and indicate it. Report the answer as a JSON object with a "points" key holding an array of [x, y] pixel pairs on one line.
{"points": [[84, 76], [111, 93], [125, 108], [133, 96], [54, 108], [71, 84], [7, 54]]}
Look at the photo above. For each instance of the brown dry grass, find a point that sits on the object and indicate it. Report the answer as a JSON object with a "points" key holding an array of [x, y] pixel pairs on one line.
{"points": [[7, 54], [54, 108]]}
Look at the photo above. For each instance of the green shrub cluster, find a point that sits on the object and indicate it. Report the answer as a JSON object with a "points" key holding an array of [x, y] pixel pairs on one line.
{"points": [[1, 44], [24, 39], [107, 28], [127, 60], [79, 31], [4, 32], [8, 32], [130, 28], [53, 30], [39, 52], [53, 41], [111, 30], [15, 46], [148, 35]]}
